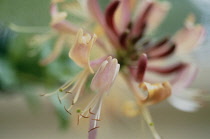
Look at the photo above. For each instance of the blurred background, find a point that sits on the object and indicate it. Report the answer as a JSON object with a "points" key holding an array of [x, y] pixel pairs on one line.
{"points": [[26, 115]]}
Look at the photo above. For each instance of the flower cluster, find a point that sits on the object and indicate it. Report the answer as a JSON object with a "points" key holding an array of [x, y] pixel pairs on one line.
{"points": [[128, 49]]}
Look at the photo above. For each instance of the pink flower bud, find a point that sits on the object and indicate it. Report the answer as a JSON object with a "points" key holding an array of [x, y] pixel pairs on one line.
{"points": [[105, 76]]}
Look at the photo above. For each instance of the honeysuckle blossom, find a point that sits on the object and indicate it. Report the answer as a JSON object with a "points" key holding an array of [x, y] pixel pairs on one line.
{"points": [[101, 84], [130, 44], [80, 54]]}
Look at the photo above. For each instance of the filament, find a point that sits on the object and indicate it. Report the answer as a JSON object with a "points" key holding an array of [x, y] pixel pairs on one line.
{"points": [[93, 128]]}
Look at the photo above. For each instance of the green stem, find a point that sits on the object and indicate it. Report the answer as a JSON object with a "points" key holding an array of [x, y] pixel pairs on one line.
{"points": [[147, 117]]}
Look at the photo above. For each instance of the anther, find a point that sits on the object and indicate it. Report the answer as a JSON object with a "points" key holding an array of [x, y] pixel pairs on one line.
{"points": [[59, 98], [78, 120], [93, 128], [67, 110], [97, 119], [69, 92], [91, 112], [84, 116]]}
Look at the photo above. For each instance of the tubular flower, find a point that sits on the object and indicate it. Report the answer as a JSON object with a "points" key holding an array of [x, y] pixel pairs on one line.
{"points": [[80, 52], [101, 83], [139, 56]]}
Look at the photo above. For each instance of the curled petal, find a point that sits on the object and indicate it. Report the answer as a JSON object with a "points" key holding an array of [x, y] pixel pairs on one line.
{"points": [[167, 70], [141, 20], [185, 76], [156, 92], [158, 44], [188, 100], [80, 52], [109, 16], [123, 15], [105, 76], [164, 51], [96, 12], [189, 36]]}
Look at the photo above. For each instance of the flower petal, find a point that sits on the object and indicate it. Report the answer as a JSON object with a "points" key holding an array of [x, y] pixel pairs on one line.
{"points": [[166, 70], [189, 37], [185, 76], [105, 76], [162, 52], [123, 15], [80, 52], [157, 14], [156, 92], [142, 65], [142, 19], [95, 10], [188, 100], [109, 16], [59, 22]]}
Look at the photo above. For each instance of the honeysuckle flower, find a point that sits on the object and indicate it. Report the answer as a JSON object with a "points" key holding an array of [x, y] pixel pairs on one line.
{"points": [[80, 54], [138, 54], [101, 84]]}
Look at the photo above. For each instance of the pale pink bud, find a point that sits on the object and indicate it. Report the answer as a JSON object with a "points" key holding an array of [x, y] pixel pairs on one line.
{"points": [[105, 76]]}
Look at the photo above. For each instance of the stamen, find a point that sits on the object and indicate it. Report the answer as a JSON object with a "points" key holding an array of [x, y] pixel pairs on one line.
{"points": [[91, 112], [48, 94], [93, 128], [67, 110], [66, 85], [69, 92], [59, 98], [84, 116], [97, 119], [78, 120]]}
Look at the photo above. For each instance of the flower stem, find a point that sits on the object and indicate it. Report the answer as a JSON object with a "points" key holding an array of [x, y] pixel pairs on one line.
{"points": [[147, 117]]}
